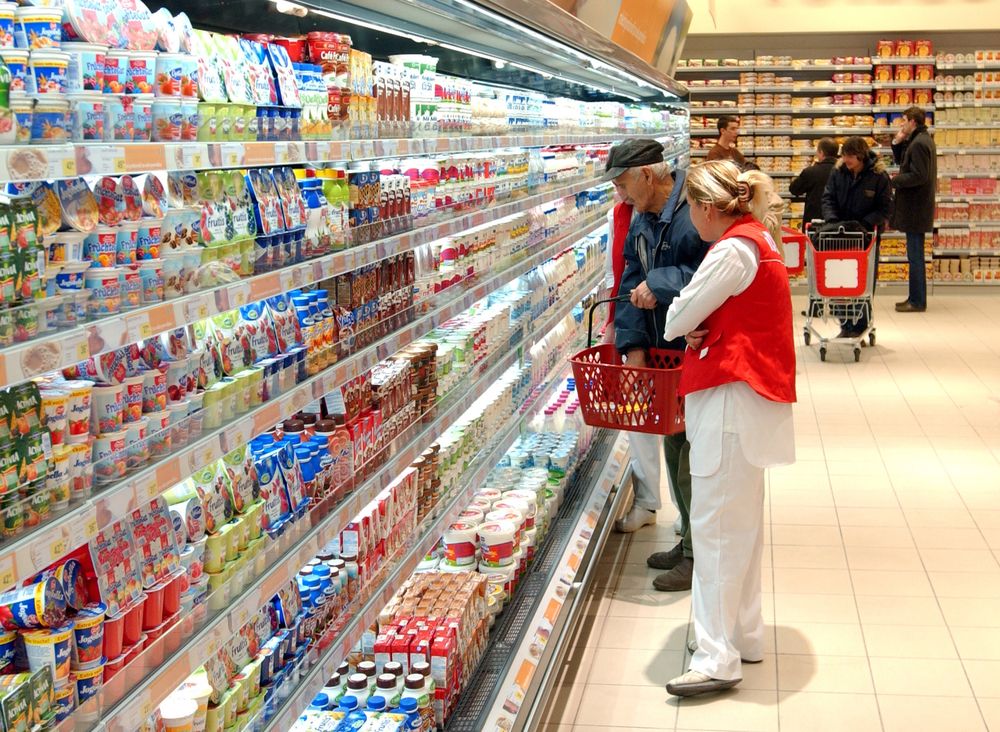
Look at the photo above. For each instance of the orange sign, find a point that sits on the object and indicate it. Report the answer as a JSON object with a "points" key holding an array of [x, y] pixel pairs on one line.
{"points": [[640, 24]]}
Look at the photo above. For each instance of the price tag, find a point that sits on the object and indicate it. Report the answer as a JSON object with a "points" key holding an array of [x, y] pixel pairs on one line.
{"points": [[231, 154], [8, 577], [68, 167], [58, 549], [148, 488], [195, 310], [239, 294], [139, 327]]}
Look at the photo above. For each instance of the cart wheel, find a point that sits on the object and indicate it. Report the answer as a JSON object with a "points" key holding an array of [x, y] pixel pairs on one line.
{"points": [[857, 354], [806, 336], [822, 354], [871, 338]]}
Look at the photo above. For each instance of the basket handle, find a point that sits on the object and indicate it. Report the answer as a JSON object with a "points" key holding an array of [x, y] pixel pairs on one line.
{"points": [[593, 307]]}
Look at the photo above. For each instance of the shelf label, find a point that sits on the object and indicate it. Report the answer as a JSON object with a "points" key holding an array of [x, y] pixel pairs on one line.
{"points": [[196, 309], [258, 153], [138, 326], [8, 576], [231, 154], [266, 418], [265, 286], [139, 158], [148, 488], [239, 294]]}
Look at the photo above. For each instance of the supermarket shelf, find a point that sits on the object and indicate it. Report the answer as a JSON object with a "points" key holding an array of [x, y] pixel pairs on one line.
{"points": [[155, 688], [967, 150], [811, 88], [68, 161], [35, 551], [967, 252], [966, 174], [754, 130], [903, 107], [903, 84], [971, 198], [719, 89], [814, 67], [781, 173], [966, 283], [963, 86], [710, 69], [962, 104], [902, 60], [969, 126], [900, 259], [975, 65], [529, 641], [777, 151], [704, 132], [721, 110], [339, 647], [966, 224], [92, 338]]}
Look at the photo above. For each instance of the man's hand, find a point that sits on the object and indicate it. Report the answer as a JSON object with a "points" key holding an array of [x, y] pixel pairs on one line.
{"points": [[695, 338], [636, 358], [643, 298], [901, 136]]}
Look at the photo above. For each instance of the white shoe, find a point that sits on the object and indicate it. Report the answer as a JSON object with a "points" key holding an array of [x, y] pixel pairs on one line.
{"points": [[678, 526], [635, 519], [695, 682]]}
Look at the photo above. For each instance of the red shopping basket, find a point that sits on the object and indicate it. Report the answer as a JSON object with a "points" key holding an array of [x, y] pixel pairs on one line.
{"points": [[794, 243], [624, 397]]}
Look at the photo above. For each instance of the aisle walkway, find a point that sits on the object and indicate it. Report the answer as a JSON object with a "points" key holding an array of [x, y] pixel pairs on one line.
{"points": [[881, 571]]}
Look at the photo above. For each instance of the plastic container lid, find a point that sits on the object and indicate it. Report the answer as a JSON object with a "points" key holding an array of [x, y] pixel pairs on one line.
{"points": [[348, 703], [408, 705]]}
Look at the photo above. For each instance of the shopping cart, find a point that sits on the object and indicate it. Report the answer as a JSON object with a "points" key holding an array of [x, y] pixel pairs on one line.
{"points": [[623, 397], [841, 273]]}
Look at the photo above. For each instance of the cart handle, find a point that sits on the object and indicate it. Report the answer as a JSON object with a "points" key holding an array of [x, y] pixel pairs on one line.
{"points": [[593, 307]]}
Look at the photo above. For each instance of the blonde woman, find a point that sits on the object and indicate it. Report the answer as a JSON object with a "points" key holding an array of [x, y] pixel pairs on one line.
{"points": [[739, 384]]}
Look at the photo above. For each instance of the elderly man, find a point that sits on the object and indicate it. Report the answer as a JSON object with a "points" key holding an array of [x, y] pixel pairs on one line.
{"points": [[662, 252]]}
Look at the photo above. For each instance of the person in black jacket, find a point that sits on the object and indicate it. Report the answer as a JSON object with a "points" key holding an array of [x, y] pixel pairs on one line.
{"points": [[858, 190], [811, 182], [662, 252], [915, 152]]}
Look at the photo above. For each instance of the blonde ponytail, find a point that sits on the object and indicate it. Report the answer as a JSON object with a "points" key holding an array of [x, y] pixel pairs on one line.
{"points": [[721, 184]]}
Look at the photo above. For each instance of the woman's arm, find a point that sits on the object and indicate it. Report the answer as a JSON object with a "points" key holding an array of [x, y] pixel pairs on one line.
{"points": [[728, 269]]}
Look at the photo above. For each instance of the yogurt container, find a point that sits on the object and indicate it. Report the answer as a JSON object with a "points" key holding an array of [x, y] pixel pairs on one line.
{"points": [[460, 544], [7, 24], [136, 444], [38, 605], [132, 394], [115, 72], [65, 700], [141, 72], [154, 391], [151, 273], [50, 119], [16, 60], [86, 66], [126, 237], [131, 284], [496, 542], [88, 634], [119, 118], [105, 291], [49, 648], [87, 113], [169, 74], [189, 120], [89, 681], [178, 712], [37, 28], [94, 21], [7, 643], [142, 116], [148, 239], [108, 407], [48, 71], [109, 457], [79, 207], [167, 120], [102, 246], [23, 108]]}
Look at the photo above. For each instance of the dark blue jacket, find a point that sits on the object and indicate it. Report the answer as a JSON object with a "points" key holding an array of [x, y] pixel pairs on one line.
{"points": [[866, 198], [664, 251]]}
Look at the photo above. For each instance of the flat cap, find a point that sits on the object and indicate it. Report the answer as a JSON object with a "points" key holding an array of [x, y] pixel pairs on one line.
{"points": [[632, 154]]}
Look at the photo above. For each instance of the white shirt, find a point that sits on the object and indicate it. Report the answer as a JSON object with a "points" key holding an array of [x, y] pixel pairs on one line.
{"points": [[764, 427]]}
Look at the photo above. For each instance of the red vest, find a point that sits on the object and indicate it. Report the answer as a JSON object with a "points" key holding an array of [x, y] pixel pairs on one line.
{"points": [[750, 336], [621, 220]]}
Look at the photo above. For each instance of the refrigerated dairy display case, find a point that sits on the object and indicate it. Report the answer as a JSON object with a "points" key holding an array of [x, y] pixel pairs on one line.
{"points": [[300, 311]]}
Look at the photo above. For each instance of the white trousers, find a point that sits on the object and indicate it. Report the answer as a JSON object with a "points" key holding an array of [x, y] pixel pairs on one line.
{"points": [[647, 459], [727, 530]]}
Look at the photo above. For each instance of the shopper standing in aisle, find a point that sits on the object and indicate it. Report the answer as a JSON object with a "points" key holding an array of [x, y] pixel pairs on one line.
{"points": [[662, 250], [725, 146], [915, 184], [644, 448], [811, 182], [739, 384], [859, 190]]}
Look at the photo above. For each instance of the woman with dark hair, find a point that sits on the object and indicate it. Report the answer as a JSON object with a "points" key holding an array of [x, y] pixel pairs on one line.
{"points": [[858, 190]]}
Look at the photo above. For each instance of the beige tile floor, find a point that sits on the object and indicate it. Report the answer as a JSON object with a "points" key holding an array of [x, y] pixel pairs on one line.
{"points": [[881, 573]]}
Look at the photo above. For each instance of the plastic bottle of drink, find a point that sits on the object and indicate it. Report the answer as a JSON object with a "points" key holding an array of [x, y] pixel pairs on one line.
{"points": [[334, 690], [408, 706], [320, 702], [376, 704], [385, 686], [345, 461], [358, 687], [424, 669], [416, 688]]}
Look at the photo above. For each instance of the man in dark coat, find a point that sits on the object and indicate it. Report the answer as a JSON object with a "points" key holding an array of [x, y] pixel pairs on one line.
{"points": [[811, 182], [858, 190], [915, 184], [662, 252]]}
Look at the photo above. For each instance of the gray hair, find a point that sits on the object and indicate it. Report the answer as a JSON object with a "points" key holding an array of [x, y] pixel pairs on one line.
{"points": [[661, 171]]}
